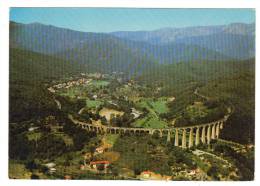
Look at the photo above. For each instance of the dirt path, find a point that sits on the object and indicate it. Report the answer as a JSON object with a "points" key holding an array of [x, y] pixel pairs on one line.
{"points": [[58, 103], [200, 95]]}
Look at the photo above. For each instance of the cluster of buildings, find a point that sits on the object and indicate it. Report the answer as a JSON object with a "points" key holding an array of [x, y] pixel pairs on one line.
{"points": [[96, 75], [69, 84], [96, 166]]}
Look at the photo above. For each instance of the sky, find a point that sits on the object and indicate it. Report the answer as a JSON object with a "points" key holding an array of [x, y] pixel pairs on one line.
{"points": [[129, 19]]}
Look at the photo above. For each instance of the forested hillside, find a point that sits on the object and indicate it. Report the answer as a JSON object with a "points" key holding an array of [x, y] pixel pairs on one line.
{"points": [[108, 54], [29, 71], [237, 90], [226, 82]]}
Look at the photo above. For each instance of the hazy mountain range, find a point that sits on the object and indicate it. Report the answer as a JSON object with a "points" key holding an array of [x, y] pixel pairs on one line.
{"points": [[124, 50]]}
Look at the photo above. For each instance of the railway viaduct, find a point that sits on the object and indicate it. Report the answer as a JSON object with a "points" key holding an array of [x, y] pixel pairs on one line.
{"points": [[196, 134]]}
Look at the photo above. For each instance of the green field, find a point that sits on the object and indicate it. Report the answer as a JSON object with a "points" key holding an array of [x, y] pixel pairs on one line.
{"points": [[150, 122], [155, 107], [93, 103], [73, 92], [159, 105], [111, 138], [144, 104]]}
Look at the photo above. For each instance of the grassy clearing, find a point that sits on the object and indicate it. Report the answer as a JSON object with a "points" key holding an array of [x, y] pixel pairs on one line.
{"points": [[93, 103], [159, 105], [150, 122], [156, 107], [110, 139], [156, 123], [111, 156], [34, 136], [140, 122], [144, 104], [73, 92]]}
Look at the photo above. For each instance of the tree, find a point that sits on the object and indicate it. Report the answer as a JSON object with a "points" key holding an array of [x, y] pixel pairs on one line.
{"points": [[34, 176], [50, 146], [31, 165], [68, 159], [104, 120], [213, 172], [19, 147], [137, 171], [115, 170]]}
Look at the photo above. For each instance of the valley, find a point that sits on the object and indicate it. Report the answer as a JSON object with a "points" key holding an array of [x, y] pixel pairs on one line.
{"points": [[166, 104]]}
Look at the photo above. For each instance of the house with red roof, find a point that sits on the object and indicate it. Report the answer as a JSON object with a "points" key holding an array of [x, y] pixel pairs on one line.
{"points": [[94, 164]]}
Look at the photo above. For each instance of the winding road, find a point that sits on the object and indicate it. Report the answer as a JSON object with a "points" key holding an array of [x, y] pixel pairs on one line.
{"points": [[200, 95]]}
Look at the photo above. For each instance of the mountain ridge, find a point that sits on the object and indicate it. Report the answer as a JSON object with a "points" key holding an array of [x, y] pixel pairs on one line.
{"points": [[102, 49]]}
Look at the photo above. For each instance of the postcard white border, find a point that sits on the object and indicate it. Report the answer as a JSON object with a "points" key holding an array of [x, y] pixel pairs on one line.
{"points": [[4, 61]]}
